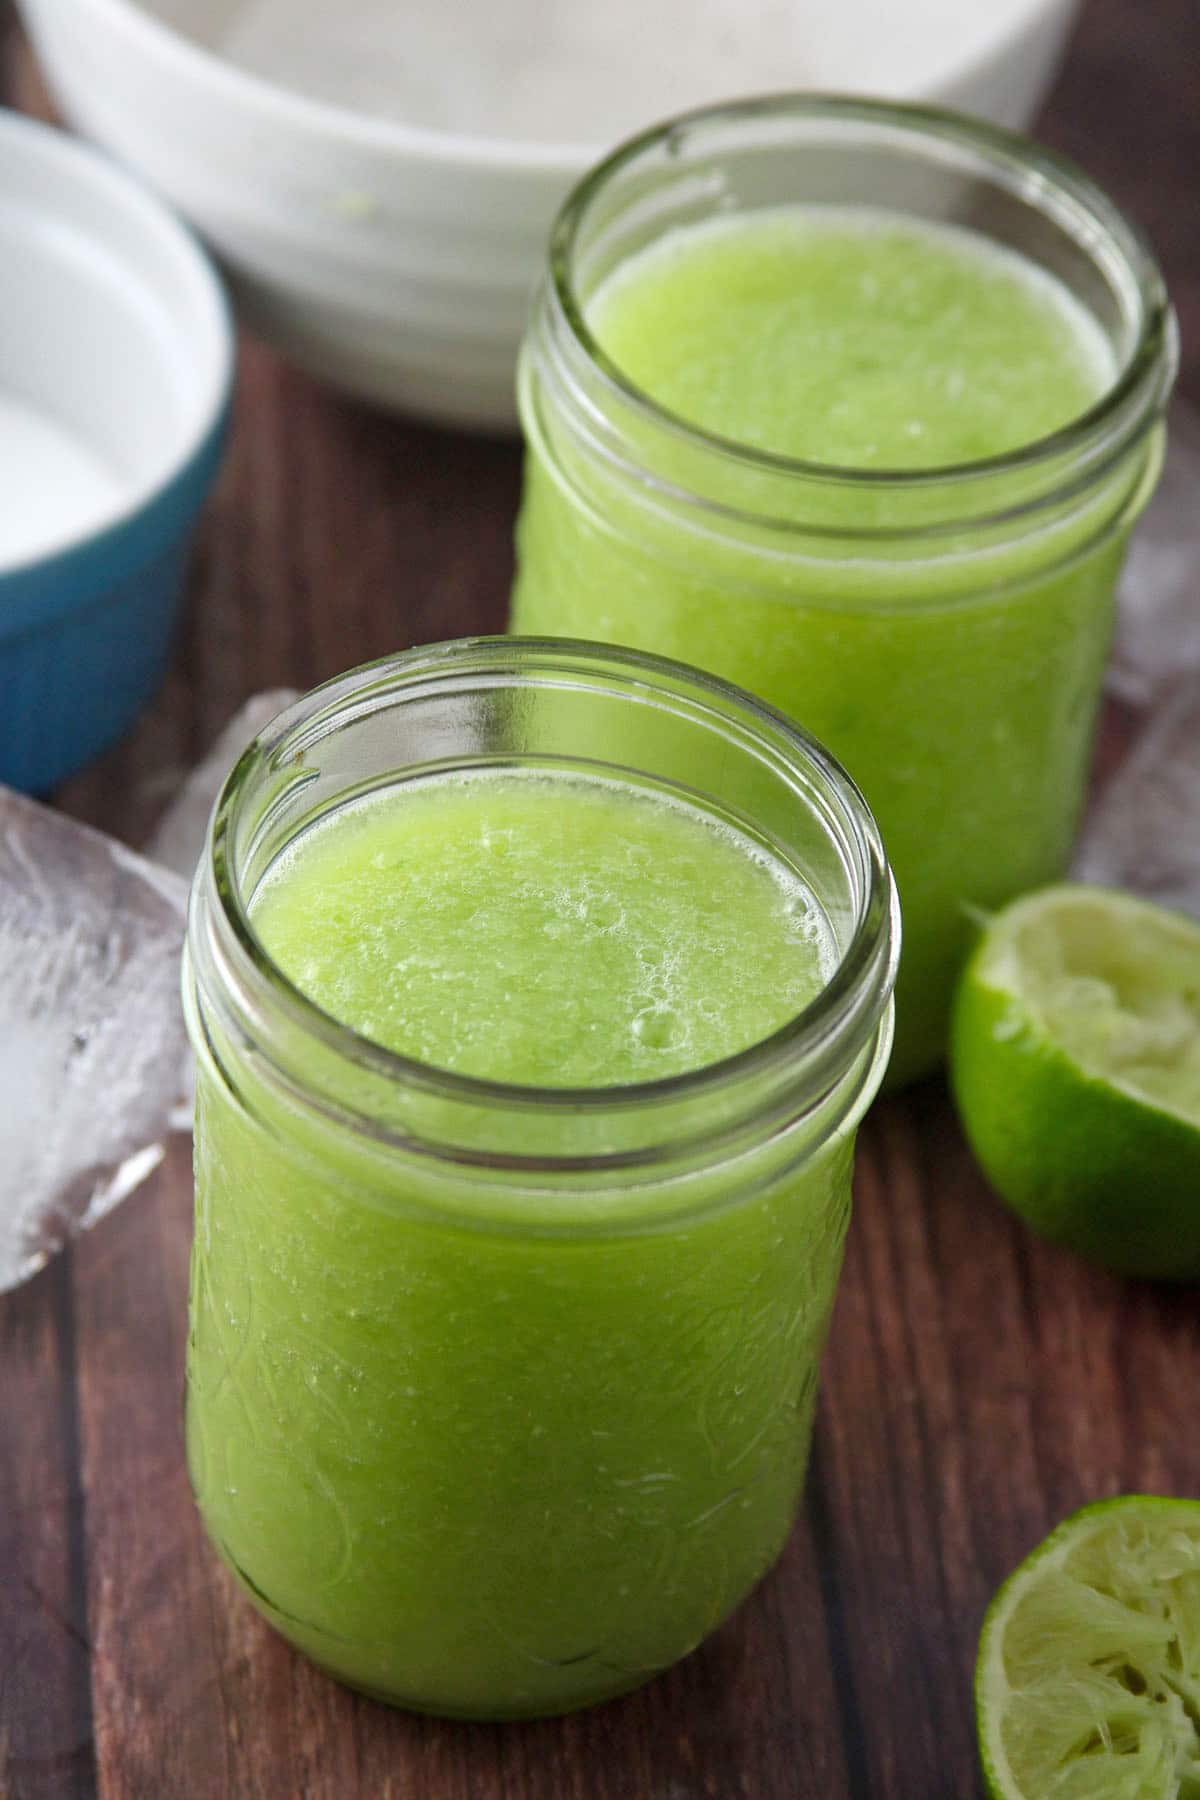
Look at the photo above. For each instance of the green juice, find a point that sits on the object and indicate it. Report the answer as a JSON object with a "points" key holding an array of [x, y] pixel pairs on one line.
{"points": [[956, 675], [468, 1466], [549, 932], [856, 338]]}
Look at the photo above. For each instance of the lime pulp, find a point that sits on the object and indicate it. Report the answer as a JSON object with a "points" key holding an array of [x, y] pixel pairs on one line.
{"points": [[1088, 1680]]}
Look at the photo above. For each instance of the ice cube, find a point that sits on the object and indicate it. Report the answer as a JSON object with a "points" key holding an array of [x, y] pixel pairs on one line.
{"points": [[1158, 624], [95, 1068], [178, 840], [1144, 833], [93, 1052], [179, 836]]}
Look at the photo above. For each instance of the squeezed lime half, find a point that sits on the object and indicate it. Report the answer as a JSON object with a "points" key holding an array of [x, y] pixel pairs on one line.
{"points": [[1075, 1064], [1088, 1680]]}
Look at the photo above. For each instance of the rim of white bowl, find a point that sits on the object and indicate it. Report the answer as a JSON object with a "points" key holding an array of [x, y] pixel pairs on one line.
{"points": [[85, 165], [564, 158]]}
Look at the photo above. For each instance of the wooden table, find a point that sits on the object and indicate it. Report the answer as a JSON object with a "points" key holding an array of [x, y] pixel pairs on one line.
{"points": [[977, 1387]]}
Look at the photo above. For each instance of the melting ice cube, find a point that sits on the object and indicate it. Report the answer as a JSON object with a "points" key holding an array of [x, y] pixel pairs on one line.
{"points": [[94, 1063], [92, 1044], [179, 837], [1144, 833], [1158, 628]]}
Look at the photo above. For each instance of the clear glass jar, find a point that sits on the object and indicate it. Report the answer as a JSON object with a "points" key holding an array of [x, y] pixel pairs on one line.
{"points": [[499, 1398], [944, 631]]}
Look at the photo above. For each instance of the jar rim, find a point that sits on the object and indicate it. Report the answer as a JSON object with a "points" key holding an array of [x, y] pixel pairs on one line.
{"points": [[821, 1040], [1028, 170]]}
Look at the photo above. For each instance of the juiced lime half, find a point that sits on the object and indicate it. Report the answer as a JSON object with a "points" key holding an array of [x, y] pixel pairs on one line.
{"points": [[1075, 1062], [1088, 1680]]}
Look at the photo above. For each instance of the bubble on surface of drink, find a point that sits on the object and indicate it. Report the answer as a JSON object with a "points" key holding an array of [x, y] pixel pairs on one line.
{"points": [[659, 1028]]}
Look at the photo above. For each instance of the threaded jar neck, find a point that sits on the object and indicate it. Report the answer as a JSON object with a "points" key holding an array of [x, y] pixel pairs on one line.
{"points": [[502, 703], [593, 422]]}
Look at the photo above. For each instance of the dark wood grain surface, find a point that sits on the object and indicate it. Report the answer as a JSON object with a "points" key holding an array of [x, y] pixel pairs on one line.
{"points": [[977, 1386]]}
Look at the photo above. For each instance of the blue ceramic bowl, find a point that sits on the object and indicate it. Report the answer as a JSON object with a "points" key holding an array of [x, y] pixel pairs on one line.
{"points": [[116, 367]]}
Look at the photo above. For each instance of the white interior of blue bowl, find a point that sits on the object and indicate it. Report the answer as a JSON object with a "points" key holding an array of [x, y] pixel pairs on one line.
{"points": [[115, 344]]}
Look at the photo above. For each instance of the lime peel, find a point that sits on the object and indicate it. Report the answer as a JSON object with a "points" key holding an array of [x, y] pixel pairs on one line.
{"points": [[1075, 1062]]}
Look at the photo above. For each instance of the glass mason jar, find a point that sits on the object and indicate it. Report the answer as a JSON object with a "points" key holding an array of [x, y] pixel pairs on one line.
{"points": [[499, 1398], [944, 631]]}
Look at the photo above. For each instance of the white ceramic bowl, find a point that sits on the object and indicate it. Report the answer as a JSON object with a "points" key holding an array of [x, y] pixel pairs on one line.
{"points": [[397, 260]]}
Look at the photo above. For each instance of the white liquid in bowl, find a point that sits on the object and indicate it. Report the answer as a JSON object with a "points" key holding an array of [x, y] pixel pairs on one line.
{"points": [[55, 486]]}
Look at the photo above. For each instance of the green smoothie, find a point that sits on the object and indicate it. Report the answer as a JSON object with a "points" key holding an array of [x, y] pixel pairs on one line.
{"points": [[468, 1467], [956, 675], [856, 338], [547, 932]]}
